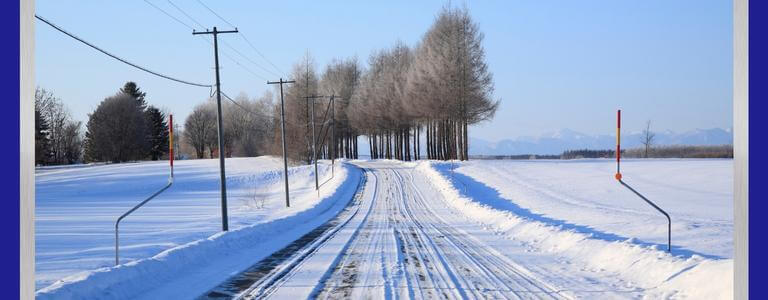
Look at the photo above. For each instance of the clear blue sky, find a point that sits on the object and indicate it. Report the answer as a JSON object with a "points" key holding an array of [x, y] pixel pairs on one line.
{"points": [[556, 64]]}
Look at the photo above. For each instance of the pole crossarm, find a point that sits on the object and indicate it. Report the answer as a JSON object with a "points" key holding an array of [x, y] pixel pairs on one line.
{"points": [[215, 31]]}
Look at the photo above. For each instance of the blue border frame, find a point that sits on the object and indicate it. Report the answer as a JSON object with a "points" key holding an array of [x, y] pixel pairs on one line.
{"points": [[9, 222], [9, 121]]}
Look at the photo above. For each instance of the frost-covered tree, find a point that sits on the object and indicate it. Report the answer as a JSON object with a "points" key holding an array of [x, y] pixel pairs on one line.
{"points": [[52, 119], [199, 127], [116, 131]]}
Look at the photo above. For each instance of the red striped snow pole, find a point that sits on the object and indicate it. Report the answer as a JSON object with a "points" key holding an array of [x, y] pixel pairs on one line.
{"points": [[618, 177]]}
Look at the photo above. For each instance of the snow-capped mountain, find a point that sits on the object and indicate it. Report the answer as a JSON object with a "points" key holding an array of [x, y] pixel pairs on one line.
{"points": [[566, 139]]}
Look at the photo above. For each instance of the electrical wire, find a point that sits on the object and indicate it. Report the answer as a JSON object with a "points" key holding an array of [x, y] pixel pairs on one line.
{"points": [[264, 114], [211, 42], [169, 15], [185, 14], [118, 58], [244, 38]]}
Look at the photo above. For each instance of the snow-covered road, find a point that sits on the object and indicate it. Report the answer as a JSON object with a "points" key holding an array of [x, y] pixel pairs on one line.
{"points": [[423, 230], [402, 239], [413, 246]]}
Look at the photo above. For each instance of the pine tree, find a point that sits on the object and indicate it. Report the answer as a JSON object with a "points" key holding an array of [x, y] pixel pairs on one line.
{"points": [[42, 141], [157, 132], [130, 88]]}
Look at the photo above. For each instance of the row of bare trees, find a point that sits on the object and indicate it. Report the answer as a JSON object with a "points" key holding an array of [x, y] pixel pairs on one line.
{"points": [[58, 137], [435, 89], [246, 126]]}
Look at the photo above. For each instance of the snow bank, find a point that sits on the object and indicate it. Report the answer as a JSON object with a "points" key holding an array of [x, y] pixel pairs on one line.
{"points": [[191, 269], [649, 267]]}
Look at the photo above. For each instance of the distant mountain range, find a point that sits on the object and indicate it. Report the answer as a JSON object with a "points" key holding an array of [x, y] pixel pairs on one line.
{"points": [[566, 139]]}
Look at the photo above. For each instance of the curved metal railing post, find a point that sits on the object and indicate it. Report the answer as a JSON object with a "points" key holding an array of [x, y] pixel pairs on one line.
{"points": [[117, 224], [619, 177], [170, 182], [669, 220]]}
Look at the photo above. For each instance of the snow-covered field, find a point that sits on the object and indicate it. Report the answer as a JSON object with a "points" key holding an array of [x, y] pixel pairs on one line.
{"points": [[76, 207], [577, 212], [530, 229], [582, 195]]}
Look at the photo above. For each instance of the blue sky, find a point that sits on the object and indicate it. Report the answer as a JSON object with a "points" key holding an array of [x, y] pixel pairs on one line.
{"points": [[556, 64]]}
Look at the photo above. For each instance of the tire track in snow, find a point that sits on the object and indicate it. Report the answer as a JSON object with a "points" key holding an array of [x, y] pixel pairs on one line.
{"points": [[432, 259], [266, 276]]}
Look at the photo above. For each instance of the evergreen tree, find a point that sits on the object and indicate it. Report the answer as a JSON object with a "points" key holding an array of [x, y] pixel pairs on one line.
{"points": [[42, 141], [130, 88], [157, 132]]}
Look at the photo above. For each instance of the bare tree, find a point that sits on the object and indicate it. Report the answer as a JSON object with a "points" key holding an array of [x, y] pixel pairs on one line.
{"points": [[63, 135], [298, 130], [647, 138], [72, 137], [199, 127]]}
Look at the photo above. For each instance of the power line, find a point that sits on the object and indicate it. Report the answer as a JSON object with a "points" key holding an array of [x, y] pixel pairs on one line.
{"points": [[250, 60], [215, 14], [118, 58], [242, 66], [169, 15], [243, 36], [187, 15], [223, 42], [254, 112], [260, 54], [206, 38]]}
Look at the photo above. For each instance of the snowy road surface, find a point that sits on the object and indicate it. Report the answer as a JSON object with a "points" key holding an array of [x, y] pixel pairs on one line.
{"points": [[401, 239], [479, 229]]}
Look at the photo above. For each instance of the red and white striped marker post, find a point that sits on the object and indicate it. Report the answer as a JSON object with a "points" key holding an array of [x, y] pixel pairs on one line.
{"points": [[618, 177]]}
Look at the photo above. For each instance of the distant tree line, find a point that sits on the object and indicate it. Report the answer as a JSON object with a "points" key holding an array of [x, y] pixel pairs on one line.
{"points": [[681, 151], [58, 138], [586, 153], [667, 151], [124, 128]]}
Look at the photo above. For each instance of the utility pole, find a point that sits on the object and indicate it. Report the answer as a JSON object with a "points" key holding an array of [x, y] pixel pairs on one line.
{"points": [[314, 140], [282, 129], [215, 32], [333, 133]]}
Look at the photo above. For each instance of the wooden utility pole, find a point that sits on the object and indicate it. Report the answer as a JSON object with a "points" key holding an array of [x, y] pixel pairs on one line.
{"points": [[282, 129], [314, 140], [333, 133], [215, 33]]}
